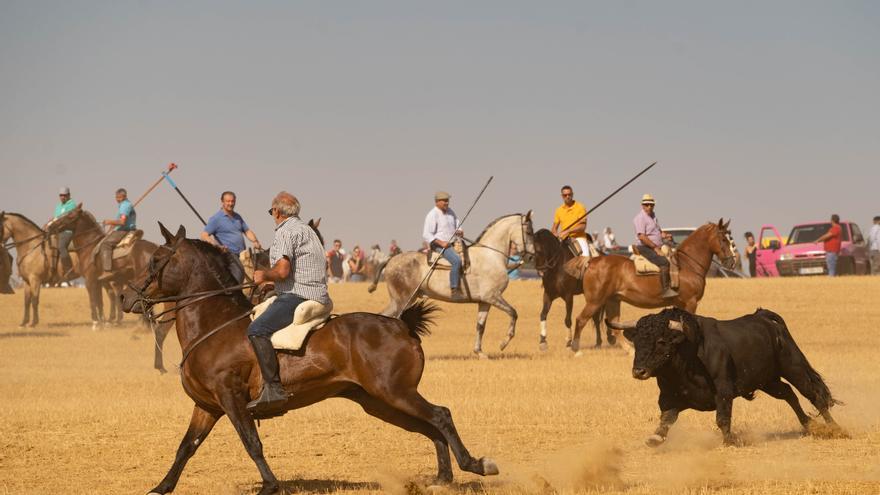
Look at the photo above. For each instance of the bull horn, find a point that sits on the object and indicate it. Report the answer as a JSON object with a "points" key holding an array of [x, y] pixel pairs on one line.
{"points": [[676, 325], [626, 325]]}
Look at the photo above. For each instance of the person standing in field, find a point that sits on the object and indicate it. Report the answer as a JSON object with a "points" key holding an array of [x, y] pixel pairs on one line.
{"points": [[874, 246], [335, 257], [570, 221], [831, 244], [225, 230], [752, 254]]}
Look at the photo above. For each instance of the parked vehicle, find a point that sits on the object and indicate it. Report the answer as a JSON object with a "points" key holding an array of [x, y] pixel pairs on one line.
{"points": [[802, 255]]}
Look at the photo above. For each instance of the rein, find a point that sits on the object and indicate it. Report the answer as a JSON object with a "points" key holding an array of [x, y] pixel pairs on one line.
{"points": [[519, 263]]}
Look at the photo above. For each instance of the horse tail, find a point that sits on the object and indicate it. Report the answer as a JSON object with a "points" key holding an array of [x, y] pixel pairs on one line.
{"points": [[821, 392], [376, 276], [419, 317]]}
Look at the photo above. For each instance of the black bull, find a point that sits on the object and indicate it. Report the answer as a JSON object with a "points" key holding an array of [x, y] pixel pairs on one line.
{"points": [[703, 363]]}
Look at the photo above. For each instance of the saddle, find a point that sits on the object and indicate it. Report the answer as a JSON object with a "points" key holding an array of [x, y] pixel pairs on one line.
{"points": [[308, 316], [644, 267], [124, 247], [442, 264]]}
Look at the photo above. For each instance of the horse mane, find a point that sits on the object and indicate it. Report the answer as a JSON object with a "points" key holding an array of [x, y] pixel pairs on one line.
{"points": [[702, 228], [26, 219], [493, 222], [548, 241], [217, 265]]}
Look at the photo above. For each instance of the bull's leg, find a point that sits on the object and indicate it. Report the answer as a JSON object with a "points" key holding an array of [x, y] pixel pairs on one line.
{"points": [[545, 308], [234, 406], [482, 314], [667, 419], [199, 426], [815, 391], [439, 417], [723, 413], [380, 409], [501, 304], [783, 391]]}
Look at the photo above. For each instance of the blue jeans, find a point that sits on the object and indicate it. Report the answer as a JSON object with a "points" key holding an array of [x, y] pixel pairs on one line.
{"points": [[831, 263], [452, 257], [278, 315]]}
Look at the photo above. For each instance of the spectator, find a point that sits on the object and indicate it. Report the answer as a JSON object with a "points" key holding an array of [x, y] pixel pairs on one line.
{"points": [[752, 254], [357, 266], [393, 248], [831, 240], [514, 260], [874, 246], [334, 262]]}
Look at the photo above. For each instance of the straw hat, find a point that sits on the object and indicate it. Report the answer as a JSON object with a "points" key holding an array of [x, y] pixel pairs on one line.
{"points": [[647, 199], [441, 195]]}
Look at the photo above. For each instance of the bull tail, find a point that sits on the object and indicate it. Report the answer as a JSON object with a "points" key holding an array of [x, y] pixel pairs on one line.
{"points": [[821, 394], [376, 276], [419, 317]]}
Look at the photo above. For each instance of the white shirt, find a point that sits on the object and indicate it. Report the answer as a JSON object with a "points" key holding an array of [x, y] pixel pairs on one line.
{"points": [[874, 238], [439, 225]]}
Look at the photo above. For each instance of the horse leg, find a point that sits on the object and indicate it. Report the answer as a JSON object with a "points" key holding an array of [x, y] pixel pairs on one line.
{"points": [[234, 405], [199, 426], [548, 301], [35, 302], [27, 305], [586, 315], [482, 315], [160, 331], [413, 404], [569, 305], [501, 304], [597, 325], [612, 313], [98, 306], [375, 407]]}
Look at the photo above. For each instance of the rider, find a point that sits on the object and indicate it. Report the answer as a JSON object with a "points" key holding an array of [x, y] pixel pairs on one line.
{"points": [[227, 226], [124, 222], [64, 206], [441, 227], [298, 271], [571, 216], [650, 239]]}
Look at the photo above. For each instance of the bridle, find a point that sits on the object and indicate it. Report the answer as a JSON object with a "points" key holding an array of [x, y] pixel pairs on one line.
{"points": [[722, 236], [525, 225]]}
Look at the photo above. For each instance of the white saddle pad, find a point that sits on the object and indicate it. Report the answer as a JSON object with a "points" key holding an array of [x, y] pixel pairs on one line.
{"points": [[306, 318]]}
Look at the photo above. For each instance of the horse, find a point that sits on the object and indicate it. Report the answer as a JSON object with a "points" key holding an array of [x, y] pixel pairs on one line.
{"points": [[373, 360], [32, 257], [610, 279], [483, 283], [550, 257]]}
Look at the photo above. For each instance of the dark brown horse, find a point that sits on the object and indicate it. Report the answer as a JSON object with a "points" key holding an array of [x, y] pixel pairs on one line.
{"points": [[370, 359], [612, 279], [550, 258]]}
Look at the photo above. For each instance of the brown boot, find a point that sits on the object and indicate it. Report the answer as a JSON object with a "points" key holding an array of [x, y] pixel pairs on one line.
{"points": [[457, 295], [665, 283]]}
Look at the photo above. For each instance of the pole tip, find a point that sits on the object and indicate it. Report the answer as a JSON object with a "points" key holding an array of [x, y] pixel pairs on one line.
{"points": [[172, 166]]}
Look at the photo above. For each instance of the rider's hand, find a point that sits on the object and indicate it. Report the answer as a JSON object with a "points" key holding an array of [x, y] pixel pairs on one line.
{"points": [[259, 276], [459, 232], [258, 246]]}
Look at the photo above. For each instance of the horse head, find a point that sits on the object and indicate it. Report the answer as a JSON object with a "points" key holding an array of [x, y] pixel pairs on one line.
{"points": [[722, 244], [528, 236], [165, 274], [547, 250]]}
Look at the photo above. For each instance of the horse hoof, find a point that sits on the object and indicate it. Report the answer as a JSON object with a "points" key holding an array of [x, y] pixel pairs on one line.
{"points": [[481, 355], [579, 354], [543, 346], [654, 440], [95, 325], [489, 466], [504, 344], [568, 344]]}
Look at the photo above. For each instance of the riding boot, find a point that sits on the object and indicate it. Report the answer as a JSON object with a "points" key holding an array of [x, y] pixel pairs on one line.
{"points": [[66, 268], [457, 295], [665, 283], [273, 398]]}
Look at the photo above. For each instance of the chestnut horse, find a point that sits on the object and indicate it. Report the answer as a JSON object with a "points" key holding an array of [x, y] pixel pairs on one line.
{"points": [[370, 359], [611, 279]]}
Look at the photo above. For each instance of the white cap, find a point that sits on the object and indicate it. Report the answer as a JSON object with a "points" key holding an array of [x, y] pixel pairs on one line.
{"points": [[64, 190]]}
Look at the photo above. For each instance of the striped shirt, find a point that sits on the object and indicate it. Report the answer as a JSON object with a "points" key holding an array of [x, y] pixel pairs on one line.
{"points": [[296, 241]]}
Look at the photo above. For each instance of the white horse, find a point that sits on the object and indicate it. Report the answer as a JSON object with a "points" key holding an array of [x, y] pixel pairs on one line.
{"points": [[482, 283]]}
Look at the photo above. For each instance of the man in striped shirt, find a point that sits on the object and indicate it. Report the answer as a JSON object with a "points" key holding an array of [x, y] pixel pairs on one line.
{"points": [[298, 271]]}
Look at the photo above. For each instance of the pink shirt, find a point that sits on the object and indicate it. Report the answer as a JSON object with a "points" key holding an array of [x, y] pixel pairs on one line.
{"points": [[647, 224]]}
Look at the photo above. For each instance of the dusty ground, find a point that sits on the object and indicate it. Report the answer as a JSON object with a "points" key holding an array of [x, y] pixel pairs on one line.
{"points": [[83, 411]]}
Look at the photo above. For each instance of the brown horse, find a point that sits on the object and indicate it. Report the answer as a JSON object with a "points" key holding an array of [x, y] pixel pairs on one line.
{"points": [[370, 359], [5, 264], [611, 279]]}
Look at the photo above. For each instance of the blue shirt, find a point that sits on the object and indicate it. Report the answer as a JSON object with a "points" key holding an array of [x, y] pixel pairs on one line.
{"points": [[126, 208], [228, 230], [63, 208]]}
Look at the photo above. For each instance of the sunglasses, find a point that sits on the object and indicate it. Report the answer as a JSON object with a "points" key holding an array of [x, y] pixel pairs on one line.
{"points": [[271, 210]]}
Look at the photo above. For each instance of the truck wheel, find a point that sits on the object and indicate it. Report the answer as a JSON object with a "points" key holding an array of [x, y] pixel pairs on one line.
{"points": [[846, 265]]}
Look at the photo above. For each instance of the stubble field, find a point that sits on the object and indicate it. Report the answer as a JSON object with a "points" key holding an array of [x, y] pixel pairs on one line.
{"points": [[84, 412]]}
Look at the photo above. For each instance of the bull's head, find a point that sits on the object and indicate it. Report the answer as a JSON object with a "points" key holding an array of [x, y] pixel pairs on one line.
{"points": [[656, 339]]}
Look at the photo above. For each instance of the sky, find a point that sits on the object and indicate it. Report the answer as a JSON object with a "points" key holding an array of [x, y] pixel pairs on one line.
{"points": [[762, 112]]}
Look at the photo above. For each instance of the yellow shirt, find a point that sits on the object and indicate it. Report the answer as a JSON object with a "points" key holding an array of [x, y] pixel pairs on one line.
{"points": [[566, 216]]}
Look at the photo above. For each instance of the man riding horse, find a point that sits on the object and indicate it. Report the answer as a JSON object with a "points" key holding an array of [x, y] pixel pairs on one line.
{"points": [[571, 217], [650, 240], [125, 221], [64, 206], [441, 227], [297, 260]]}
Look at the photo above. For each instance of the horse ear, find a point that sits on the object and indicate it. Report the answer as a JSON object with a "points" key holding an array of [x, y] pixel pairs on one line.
{"points": [[727, 225], [721, 223], [79, 206], [315, 223], [166, 234], [181, 233], [529, 216]]}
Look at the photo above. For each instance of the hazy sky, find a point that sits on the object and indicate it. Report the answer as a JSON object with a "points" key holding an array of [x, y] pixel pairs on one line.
{"points": [[759, 111]]}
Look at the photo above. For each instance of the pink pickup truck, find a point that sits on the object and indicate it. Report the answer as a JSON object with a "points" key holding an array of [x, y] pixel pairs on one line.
{"points": [[802, 255]]}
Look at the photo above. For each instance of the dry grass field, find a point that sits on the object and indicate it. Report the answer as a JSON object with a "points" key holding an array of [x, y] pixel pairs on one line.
{"points": [[84, 412]]}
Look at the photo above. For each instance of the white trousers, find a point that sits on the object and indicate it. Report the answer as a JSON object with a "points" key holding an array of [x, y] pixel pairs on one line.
{"points": [[585, 247]]}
